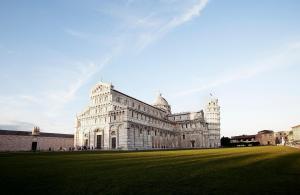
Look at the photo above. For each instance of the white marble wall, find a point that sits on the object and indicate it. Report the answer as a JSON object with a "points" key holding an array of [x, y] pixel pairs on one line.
{"points": [[135, 123], [212, 116]]}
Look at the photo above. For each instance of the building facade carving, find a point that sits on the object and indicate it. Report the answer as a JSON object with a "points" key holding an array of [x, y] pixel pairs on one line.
{"points": [[114, 120]]}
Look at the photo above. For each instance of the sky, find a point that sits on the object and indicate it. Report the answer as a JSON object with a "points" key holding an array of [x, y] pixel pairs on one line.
{"points": [[246, 53]]}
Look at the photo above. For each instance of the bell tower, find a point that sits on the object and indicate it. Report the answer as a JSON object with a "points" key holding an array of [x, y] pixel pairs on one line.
{"points": [[212, 116]]}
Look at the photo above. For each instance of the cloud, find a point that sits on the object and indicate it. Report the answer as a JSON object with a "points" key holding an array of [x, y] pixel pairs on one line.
{"points": [[77, 34], [47, 107], [145, 29], [151, 23], [88, 71], [186, 16], [147, 38], [17, 125], [286, 56], [147, 22]]}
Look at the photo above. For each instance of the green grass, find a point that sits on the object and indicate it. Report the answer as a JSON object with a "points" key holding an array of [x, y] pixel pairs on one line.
{"points": [[262, 170]]}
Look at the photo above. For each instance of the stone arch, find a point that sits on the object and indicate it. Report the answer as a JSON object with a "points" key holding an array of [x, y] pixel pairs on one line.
{"points": [[113, 137], [113, 133], [120, 127]]}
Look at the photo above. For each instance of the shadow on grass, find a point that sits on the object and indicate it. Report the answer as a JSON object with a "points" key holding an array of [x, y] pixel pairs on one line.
{"points": [[257, 170]]}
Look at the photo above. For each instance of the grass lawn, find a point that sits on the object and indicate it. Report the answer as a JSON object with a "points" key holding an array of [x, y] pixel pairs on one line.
{"points": [[263, 170]]}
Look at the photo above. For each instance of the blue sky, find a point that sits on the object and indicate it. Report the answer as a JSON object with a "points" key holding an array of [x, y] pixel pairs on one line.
{"points": [[247, 53]]}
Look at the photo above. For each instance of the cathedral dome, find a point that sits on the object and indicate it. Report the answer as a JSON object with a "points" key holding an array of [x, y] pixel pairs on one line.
{"points": [[160, 100], [162, 103]]}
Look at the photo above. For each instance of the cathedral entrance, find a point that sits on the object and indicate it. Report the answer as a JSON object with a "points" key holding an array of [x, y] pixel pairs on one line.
{"points": [[99, 138], [113, 143], [193, 143]]}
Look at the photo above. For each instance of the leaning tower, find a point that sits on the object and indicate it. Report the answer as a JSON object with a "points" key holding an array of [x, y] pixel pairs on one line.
{"points": [[212, 116]]}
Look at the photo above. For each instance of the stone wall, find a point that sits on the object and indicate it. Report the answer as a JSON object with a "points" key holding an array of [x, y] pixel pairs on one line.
{"points": [[24, 143], [265, 138], [55, 143], [296, 134], [15, 143]]}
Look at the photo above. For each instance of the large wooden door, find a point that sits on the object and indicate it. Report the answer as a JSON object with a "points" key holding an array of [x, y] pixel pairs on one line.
{"points": [[113, 143], [99, 139]]}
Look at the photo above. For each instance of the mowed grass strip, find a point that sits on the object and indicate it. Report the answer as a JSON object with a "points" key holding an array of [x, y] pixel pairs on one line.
{"points": [[261, 170]]}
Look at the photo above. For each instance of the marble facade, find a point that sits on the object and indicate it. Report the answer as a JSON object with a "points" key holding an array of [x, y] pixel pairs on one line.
{"points": [[114, 120]]}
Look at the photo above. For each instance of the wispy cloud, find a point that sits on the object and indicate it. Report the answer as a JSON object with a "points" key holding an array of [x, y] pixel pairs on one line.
{"points": [[186, 16], [17, 125], [87, 71], [147, 22], [47, 107], [78, 34], [155, 31], [286, 56], [154, 25], [149, 37]]}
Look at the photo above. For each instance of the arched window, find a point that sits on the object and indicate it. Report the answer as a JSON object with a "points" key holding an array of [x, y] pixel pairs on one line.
{"points": [[118, 99]]}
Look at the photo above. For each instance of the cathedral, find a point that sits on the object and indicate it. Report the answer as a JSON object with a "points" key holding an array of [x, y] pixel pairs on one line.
{"points": [[114, 120]]}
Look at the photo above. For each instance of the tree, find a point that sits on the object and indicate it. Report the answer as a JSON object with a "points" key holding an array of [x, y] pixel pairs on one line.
{"points": [[225, 142]]}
